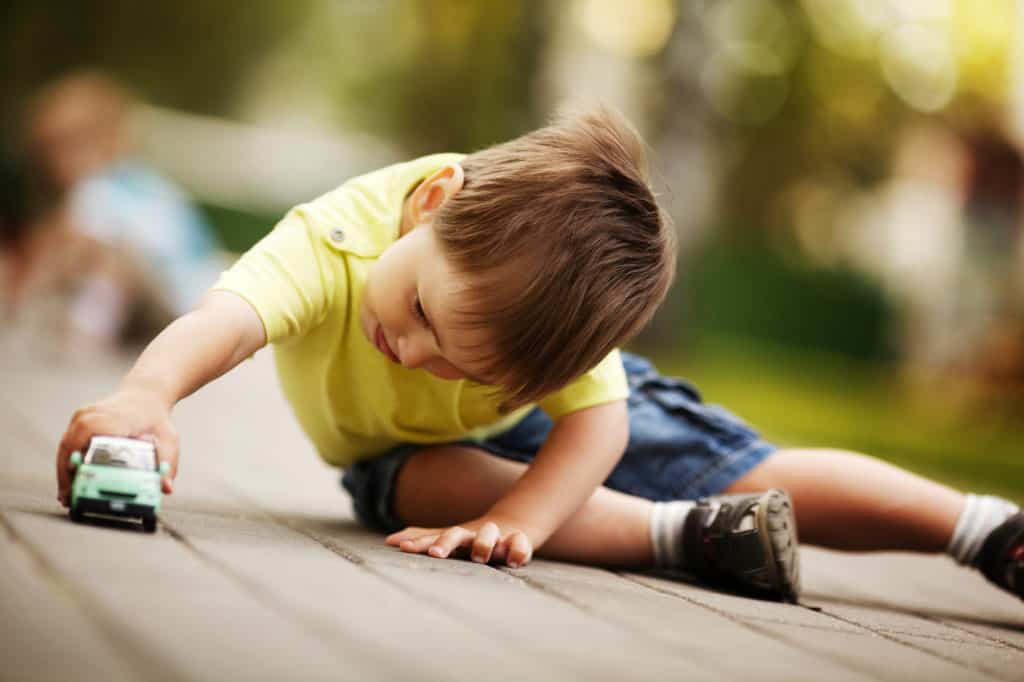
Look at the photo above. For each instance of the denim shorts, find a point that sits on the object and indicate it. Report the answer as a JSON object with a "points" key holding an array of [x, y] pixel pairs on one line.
{"points": [[680, 448]]}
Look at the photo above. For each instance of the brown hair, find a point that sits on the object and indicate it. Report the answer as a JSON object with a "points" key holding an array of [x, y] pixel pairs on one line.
{"points": [[568, 253]]}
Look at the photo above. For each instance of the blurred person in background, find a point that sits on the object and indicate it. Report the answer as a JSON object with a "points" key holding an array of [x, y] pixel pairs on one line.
{"points": [[993, 272], [127, 246], [944, 237]]}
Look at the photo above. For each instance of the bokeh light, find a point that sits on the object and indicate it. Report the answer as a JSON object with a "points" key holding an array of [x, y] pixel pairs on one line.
{"points": [[919, 65], [753, 46], [636, 30]]}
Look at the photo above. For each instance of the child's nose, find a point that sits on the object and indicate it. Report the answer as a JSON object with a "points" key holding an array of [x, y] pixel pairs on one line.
{"points": [[411, 353]]}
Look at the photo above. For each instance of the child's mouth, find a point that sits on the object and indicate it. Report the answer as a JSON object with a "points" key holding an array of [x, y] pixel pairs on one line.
{"points": [[382, 345]]}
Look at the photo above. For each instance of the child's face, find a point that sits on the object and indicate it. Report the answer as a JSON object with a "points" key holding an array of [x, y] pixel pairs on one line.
{"points": [[77, 134], [408, 305]]}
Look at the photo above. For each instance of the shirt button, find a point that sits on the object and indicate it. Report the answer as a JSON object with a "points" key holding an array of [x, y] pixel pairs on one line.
{"points": [[337, 235]]}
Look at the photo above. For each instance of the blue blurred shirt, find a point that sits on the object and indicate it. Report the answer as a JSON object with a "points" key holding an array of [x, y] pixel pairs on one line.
{"points": [[132, 208]]}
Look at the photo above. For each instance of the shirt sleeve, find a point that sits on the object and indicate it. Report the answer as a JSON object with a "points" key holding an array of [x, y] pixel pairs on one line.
{"points": [[604, 383], [288, 277]]}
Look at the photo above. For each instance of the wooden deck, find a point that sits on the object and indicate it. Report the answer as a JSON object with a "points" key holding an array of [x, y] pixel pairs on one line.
{"points": [[258, 572]]}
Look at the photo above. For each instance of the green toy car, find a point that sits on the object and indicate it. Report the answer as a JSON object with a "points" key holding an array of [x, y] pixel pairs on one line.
{"points": [[117, 477]]}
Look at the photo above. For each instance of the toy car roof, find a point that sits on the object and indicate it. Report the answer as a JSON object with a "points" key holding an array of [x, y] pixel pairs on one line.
{"points": [[123, 452]]}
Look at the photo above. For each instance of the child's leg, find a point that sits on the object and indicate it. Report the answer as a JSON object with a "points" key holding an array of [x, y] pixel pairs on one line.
{"points": [[447, 485], [754, 547], [852, 502]]}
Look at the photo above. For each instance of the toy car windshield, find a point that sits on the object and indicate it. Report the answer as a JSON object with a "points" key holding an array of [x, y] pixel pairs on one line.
{"points": [[125, 457]]}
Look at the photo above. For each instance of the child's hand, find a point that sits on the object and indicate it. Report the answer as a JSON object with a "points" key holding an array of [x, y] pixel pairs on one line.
{"points": [[133, 413], [487, 538]]}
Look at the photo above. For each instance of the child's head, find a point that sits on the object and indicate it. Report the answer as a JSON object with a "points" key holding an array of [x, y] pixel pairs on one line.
{"points": [[533, 259], [76, 125]]}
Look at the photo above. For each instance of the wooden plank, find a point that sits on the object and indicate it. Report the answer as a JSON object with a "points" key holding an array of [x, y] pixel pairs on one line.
{"points": [[915, 583], [40, 616], [343, 603], [966, 648], [711, 637], [845, 643], [560, 635], [1002, 634], [170, 605]]}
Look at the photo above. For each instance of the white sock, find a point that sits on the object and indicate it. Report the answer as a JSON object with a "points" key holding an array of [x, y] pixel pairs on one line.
{"points": [[667, 519], [980, 516]]}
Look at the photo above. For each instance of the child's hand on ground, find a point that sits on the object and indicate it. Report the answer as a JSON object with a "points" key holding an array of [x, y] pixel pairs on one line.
{"points": [[487, 538], [133, 413]]}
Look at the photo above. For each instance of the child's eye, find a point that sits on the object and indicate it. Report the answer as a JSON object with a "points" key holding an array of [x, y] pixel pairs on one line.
{"points": [[418, 309]]}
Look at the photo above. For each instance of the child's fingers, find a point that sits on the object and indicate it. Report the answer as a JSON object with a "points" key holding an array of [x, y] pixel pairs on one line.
{"points": [[454, 537], [484, 543], [76, 437], [409, 533], [417, 545], [165, 440], [520, 551]]}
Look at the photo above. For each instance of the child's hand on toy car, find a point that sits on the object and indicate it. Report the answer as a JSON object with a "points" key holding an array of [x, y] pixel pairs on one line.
{"points": [[133, 413]]}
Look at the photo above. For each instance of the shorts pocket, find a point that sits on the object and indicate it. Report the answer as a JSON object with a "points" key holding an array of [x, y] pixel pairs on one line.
{"points": [[681, 397]]}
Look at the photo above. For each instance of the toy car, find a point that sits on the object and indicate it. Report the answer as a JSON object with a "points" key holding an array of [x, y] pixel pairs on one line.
{"points": [[117, 477]]}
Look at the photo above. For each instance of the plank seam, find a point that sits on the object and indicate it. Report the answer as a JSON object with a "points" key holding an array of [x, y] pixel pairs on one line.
{"points": [[902, 642], [148, 665], [441, 606], [924, 615], [852, 664], [540, 586], [296, 616], [992, 638]]}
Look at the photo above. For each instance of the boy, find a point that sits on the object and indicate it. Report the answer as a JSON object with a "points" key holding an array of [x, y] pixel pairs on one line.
{"points": [[446, 331]]}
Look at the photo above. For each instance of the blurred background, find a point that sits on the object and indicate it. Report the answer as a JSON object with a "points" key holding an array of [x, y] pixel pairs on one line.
{"points": [[845, 176]]}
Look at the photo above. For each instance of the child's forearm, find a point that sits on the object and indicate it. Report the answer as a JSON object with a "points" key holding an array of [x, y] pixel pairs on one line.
{"points": [[197, 348], [577, 457]]}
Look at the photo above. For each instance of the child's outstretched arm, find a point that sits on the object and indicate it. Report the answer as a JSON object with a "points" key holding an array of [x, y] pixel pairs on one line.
{"points": [[193, 350], [581, 450]]}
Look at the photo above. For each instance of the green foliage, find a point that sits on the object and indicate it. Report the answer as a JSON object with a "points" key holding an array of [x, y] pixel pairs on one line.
{"points": [[182, 55], [238, 230], [437, 74], [749, 290]]}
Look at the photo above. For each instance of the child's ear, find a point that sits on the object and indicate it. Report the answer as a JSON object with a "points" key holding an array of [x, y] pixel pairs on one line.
{"points": [[435, 190]]}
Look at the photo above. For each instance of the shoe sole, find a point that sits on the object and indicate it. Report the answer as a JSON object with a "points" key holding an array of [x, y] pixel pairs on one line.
{"points": [[777, 526]]}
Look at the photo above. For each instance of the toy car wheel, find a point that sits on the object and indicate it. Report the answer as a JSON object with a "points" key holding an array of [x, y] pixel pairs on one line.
{"points": [[149, 523], [75, 514]]}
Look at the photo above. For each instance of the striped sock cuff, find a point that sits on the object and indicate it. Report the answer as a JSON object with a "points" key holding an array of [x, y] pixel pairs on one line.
{"points": [[981, 515], [667, 519]]}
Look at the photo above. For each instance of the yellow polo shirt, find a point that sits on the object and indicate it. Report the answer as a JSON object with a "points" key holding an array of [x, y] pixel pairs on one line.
{"points": [[305, 280]]}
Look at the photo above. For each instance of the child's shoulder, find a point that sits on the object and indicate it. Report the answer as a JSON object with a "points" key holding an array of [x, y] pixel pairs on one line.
{"points": [[360, 215], [390, 184]]}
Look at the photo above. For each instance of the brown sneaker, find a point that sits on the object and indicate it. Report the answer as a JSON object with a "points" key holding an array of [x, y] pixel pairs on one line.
{"points": [[750, 545]]}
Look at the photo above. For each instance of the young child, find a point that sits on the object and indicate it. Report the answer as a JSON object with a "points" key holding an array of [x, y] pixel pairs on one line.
{"points": [[127, 244], [446, 331]]}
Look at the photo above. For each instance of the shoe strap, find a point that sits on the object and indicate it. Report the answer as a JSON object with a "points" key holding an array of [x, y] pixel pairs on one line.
{"points": [[741, 552], [693, 541], [710, 551]]}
